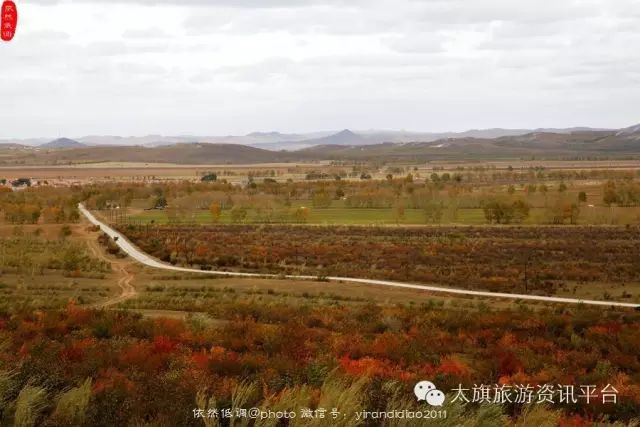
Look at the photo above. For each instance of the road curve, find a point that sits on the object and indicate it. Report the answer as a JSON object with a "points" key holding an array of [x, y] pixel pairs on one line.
{"points": [[145, 259]]}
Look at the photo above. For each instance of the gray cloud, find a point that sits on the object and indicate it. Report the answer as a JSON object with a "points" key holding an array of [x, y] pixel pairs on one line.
{"points": [[229, 66]]}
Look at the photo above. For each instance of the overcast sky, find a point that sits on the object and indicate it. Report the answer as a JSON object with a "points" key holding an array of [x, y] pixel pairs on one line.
{"points": [[217, 67]]}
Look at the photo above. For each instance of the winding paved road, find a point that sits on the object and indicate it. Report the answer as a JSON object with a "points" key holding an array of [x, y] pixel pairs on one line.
{"points": [[145, 259]]}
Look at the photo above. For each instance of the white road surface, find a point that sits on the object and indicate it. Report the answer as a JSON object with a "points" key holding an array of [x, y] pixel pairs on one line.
{"points": [[147, 260]]}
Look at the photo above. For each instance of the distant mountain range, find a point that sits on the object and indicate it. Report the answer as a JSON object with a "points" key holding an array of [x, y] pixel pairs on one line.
{"points": [[539, 144], [281, 141], [268, 140], [269, 147]]}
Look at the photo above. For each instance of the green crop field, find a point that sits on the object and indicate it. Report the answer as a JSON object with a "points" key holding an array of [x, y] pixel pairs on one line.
{"points": [[328, 216]]}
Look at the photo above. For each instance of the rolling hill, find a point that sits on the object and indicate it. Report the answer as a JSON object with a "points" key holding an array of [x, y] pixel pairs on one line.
{"points": [[62, 143], [345, 137], [601, 144], [195, 153], [630, 131], [269, 140]]}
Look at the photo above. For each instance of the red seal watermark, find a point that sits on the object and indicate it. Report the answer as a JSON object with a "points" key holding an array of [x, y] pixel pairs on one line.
{"points": [[8, 20]]}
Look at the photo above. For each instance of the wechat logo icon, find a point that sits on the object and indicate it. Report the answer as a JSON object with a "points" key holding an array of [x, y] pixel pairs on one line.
{"points": [[427, 391]]}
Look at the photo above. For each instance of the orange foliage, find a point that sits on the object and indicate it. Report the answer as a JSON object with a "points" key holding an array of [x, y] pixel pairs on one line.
{"points": [[453, 366], [163, 344], [367, 366], [112, 378], [386, 344], [574, 421], [77, 315], [76, 350], [136, 354], [170, 327]]}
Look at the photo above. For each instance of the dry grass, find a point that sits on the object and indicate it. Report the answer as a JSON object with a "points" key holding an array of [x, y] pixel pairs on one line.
{"points": [[29, 405], [72, 405]]}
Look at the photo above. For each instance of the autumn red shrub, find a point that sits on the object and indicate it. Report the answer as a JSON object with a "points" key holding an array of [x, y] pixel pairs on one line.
{"points": [[498, 259], [146, 368]]}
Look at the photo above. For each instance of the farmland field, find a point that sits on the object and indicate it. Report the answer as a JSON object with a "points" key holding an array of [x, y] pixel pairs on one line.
{"points": [[333, 216], [41, 268], [80, 320], [542, 260], [462, 208]]}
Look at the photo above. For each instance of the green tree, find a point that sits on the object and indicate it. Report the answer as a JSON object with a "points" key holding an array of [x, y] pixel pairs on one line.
{"points": [[71, 259], [238, 214], [521, 211], [502, 212], [433, 211], [582, 197], [65, 231], [210, 177], [498, 212], [610, 194], [302, 214], [398, 211], [160, 202], [562, 187], [321, 199]]}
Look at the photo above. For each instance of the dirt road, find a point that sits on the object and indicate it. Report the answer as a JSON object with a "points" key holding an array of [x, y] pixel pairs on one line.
{"points": [[127, 290]]}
